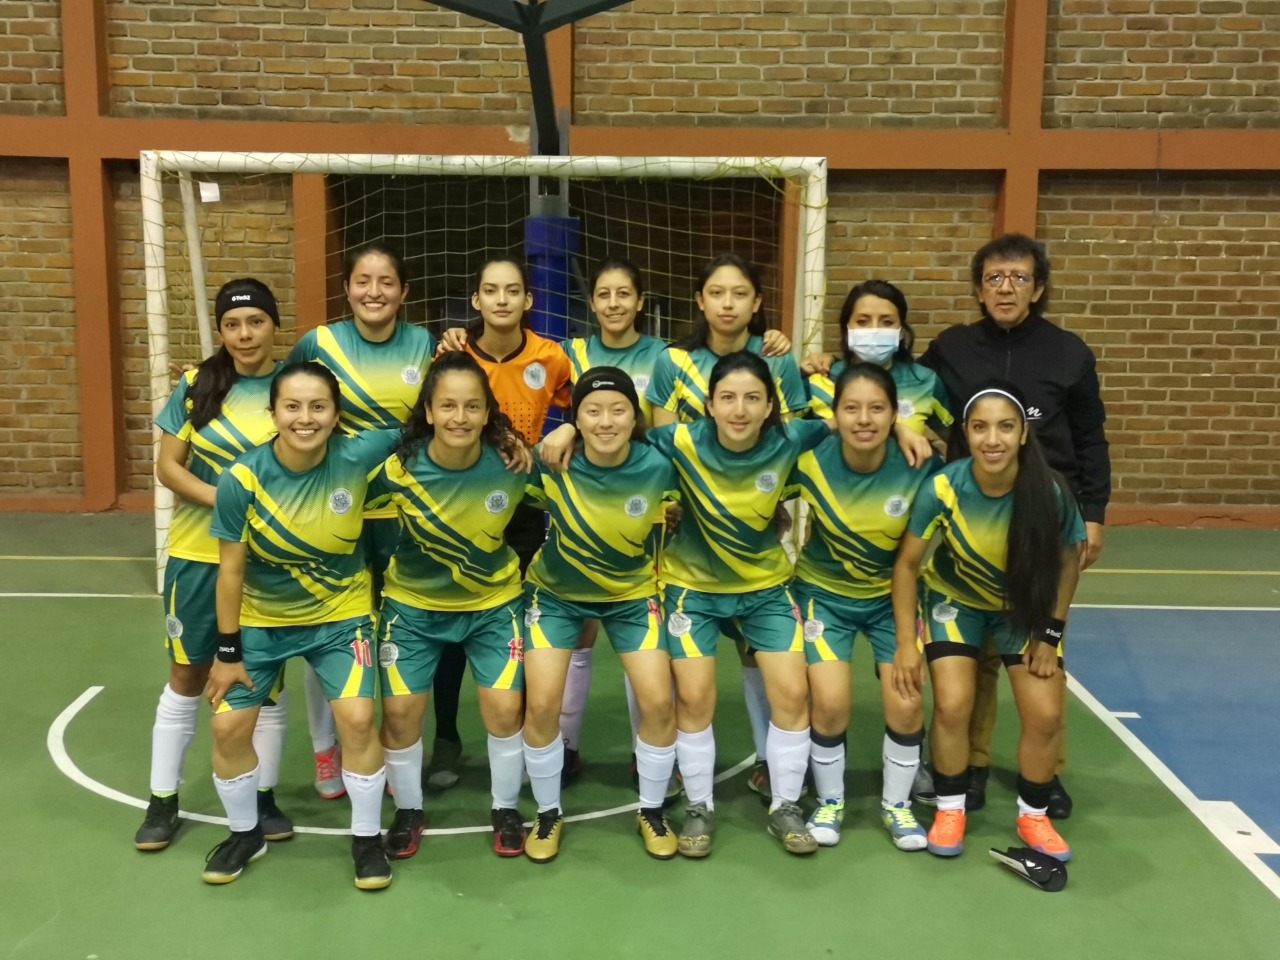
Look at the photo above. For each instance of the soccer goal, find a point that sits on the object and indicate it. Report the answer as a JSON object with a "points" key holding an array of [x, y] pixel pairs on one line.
{"points": [[210, 217]]}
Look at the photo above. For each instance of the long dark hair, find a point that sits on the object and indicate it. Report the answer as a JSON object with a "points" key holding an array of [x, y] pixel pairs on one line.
{"points": [[475, 326], [861, 370], [1033, 563], [216, 374], [756, 327], [382, 250], [885, 291], [309, 368], [632, 271], [748, 362], [417, 431]]}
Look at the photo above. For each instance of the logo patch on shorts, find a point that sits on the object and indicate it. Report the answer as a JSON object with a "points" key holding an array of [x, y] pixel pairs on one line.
{"points": [[767, 482], [496, 502], [535, 376], [813, 629], [678, 624], [172, 627], [944, 613], [388, 653], [636, 506], [906, 409], [895, 506], [642, 383], [531, 616], [411, 375], [340, 501]]}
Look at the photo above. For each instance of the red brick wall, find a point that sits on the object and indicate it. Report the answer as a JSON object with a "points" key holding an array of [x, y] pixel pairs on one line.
{"points": [[837, 63], [1168, 63], [365, 61], [30, 58], [1175, 286], [40, 449]]}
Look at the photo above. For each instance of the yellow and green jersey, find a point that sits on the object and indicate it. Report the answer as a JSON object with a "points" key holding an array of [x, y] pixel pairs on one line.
{"points": [[599, 546], [969, 564], [680, 380], [450, 554], [857, 519], [727, 542], [922, 399], [302, 529], [243, 422], [637, 361]]}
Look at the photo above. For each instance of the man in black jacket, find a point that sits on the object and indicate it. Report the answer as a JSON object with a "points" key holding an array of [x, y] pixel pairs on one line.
{"points": [[1057, 372]]}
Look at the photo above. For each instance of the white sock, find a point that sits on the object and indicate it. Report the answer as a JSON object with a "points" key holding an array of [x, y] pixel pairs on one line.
{"points": [[1025, 809], [828, 762], [696, 754], [577, 684], [404, 774], [544, 766], [174, 729], [239, 798], [633, 711], [951, 803], [366, 801], [654, 766], [757, 708], [900, 765], [788, 758], [268, 740], [506, 769], [319, 713]]}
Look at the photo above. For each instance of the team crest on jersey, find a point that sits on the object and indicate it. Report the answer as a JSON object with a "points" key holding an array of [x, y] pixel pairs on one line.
{"points": [[516, 646], [642, 383], [944, 613], [813, 629], [679, 624], [636, 506], [535, 376], [388, 654], [906, 409], [411, 375], [895, 506], [340, 501], [531, 616], [767, 482], [496, 502], [172, 627]]}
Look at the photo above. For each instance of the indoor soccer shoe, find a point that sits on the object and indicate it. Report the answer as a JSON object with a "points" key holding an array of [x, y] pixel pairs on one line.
{"points": [[442, 771], [946, 836], [508, 832], [329, 773], [758, 780], [787, 824], [659, 839], [404, 836], [228, 859], [1038, 834], [272, 821], [572, 768], [1060, 803], [159, 825], [825, 822], [373, 870], [694, 840], [544, 842], [922, 789], [904, 829]]}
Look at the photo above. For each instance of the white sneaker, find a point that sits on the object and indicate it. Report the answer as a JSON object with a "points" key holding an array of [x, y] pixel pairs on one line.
{"points": [[825, 822]]}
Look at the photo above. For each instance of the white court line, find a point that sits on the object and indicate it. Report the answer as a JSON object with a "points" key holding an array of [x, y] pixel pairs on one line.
{"points": [[62, 760], [1205, 811], [81, 596], [1126, 715], [1157, 606]]}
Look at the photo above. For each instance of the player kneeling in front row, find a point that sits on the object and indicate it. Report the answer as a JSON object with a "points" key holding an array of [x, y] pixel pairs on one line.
{"points": [[1007, 568]]}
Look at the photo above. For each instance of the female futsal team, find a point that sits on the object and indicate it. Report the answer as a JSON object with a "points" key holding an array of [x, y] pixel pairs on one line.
{"points": [[372, 506]]}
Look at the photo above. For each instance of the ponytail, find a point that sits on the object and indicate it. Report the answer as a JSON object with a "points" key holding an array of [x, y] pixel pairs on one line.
{"points": [[214, 379], [1034, 563]]}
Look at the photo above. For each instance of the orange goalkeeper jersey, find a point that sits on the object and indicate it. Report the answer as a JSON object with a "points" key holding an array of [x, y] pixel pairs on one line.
{"points": [[528, 382]]}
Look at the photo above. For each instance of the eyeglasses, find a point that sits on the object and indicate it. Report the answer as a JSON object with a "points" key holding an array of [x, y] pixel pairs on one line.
{"points": [[996, 280]]}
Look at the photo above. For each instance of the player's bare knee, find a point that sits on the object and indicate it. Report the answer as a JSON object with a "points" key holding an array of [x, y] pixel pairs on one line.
{"points": [[188, 679]]}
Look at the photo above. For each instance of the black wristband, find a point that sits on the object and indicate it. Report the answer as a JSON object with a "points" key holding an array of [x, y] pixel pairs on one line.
{"points": [[229, 650], [1053, 632]]}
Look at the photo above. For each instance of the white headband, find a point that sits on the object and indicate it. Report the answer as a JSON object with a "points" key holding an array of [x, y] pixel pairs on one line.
{"points": [[1004, 393]]}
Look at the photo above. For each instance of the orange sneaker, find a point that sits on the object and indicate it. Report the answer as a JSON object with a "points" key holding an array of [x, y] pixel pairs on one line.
{"points": [[1038, 834], [329, 773], [946, 836]]}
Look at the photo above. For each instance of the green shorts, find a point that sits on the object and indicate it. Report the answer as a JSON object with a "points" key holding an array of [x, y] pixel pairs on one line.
{"points": [[412, 641], [832, 621], [552, 623], [341, 653], [953, 629], [768, 620], [190, 608]]}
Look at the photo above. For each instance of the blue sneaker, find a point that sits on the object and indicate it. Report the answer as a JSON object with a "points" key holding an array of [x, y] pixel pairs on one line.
{"points": [[825, 822], [904, 829]]}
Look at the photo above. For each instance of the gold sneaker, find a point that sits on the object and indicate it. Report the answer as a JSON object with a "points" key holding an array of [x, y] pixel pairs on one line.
{"points": [[544, 841], [659, 839]]}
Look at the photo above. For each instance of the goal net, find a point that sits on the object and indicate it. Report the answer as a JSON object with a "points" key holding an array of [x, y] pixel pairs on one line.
{"points": [[290, 219]]}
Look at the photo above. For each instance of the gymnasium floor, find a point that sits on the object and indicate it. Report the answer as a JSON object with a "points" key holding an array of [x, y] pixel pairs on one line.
{"points": [[1173, 733]]}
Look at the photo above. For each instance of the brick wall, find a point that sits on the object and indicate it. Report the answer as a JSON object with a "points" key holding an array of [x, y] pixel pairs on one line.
{"points": [[1168, 63], [837, 63], [1175, 286], [30, 58], [363, 61], [40, 449], [249, 232]]}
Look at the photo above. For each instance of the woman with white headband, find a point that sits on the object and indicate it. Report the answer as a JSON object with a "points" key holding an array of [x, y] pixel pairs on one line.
{"points": [[1006, 569]]}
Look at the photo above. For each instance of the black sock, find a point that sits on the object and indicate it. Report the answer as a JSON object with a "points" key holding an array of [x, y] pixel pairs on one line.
{"points": [[448, 687], [1034, 794]]}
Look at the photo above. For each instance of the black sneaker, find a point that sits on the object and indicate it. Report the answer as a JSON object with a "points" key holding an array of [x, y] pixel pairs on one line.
{"points": [[1060, 803], [159, 825], [406, 829], [228, 859], [373, 870], [975, 796], [508, 832], [273, 822], [572, 768]]}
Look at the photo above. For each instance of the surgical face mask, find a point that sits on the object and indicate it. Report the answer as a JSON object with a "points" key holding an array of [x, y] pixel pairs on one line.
{"points": [[874, 346]]}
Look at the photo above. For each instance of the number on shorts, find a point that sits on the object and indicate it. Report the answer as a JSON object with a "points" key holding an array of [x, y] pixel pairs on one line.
{"points": [[363, 655]]}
